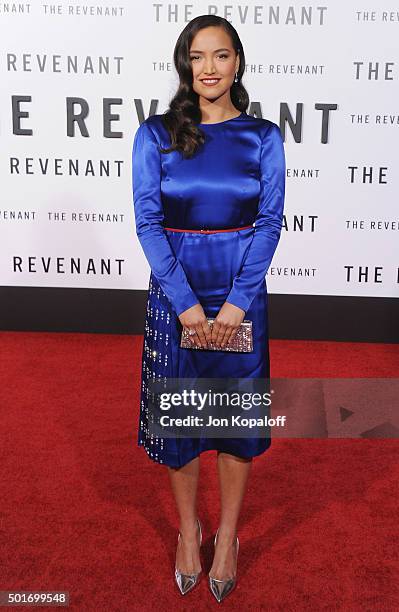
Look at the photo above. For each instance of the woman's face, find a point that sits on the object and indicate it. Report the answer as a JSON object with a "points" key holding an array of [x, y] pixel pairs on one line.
{"points": [[213, 57]]}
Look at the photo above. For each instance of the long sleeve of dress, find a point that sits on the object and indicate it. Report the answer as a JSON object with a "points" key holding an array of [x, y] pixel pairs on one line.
{"points": [[146, 164], [268, 222]]}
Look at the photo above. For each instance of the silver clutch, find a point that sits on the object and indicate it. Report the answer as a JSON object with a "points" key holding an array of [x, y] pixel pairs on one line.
{"points": [[241, 343]]}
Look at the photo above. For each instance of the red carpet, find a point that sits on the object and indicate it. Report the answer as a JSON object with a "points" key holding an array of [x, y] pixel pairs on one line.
{"points": [[84, 510]]}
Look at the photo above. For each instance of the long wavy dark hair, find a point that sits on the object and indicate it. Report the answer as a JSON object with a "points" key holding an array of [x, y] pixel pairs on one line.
{"points": [[184, 113]]}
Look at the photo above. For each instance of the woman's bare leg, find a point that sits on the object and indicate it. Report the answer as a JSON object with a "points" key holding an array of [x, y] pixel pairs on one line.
{"points": [[184, 483], [233, 476]]}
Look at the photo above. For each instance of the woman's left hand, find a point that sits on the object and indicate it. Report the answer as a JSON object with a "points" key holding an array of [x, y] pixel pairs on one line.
{"points": [[226, 324]]}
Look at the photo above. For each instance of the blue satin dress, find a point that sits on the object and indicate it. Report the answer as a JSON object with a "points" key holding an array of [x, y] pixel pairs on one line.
{"points": [[237, 178]]}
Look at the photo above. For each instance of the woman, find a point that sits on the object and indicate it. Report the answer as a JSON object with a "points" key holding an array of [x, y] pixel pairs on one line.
{"points": [[206, 165]]}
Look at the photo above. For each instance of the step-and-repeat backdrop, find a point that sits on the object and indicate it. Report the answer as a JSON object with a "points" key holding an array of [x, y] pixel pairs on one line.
{"points": [[78, 77]]}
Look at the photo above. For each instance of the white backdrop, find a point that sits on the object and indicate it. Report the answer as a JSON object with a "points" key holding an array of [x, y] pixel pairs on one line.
{"points": [[66, 211]]}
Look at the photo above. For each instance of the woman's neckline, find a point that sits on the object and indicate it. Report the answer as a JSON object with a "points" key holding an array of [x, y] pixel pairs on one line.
{"points": [[225, 121]]}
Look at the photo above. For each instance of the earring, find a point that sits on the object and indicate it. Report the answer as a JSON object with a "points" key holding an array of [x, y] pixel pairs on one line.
{"points": [[236, 78]]}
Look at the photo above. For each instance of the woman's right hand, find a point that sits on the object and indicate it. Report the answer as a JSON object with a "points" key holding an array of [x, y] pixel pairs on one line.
{"points": [[195, 318]]}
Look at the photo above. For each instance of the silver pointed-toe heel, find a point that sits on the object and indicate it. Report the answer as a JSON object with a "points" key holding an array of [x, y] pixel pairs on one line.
{"points": [[186, 582], [221, 588]]}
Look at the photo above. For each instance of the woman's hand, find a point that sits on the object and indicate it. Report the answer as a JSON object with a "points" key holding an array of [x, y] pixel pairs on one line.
{"points": [[195, 318], [226, 324]]}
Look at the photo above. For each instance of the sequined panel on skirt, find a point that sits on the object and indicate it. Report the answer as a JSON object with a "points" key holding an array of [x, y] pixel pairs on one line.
{"points": [[156, 361]]}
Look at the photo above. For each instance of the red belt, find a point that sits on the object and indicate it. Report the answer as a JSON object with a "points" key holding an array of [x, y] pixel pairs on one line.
{"points": [[206, 231]]}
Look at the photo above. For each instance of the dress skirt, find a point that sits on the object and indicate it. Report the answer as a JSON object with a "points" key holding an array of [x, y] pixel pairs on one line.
{"points": [[210, 261]]}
